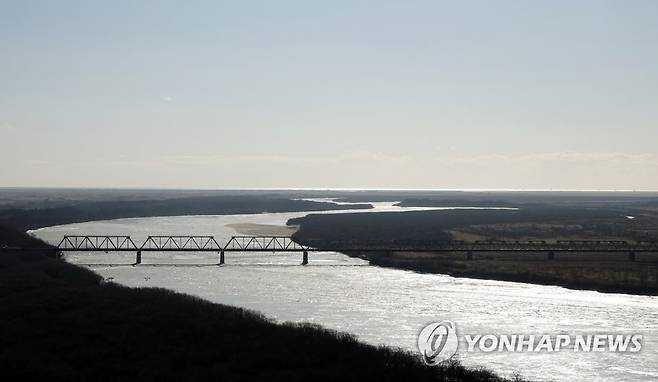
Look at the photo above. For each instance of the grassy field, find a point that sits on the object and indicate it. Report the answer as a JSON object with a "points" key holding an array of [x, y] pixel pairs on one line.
{"points": [[605, 272], [597, 271]]}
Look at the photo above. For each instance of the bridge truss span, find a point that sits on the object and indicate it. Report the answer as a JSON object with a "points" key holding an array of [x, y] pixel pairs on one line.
{"points": [[264, 244], [181, 243], [96, 243]]}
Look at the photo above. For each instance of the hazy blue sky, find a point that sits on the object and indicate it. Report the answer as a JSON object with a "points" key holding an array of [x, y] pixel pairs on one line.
{"points": [[392, 94]]}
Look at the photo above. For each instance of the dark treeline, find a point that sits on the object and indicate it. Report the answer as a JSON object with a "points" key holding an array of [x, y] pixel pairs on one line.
{"points": [[198, 205], [432, 225], [475, 198]]}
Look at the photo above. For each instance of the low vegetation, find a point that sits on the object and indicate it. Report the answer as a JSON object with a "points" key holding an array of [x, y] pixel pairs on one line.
{"points": [[597, 271]]}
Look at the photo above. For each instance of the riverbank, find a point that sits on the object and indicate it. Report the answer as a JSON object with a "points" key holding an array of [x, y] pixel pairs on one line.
{"points": [[589, 271], [599, 272], [63, 322]]}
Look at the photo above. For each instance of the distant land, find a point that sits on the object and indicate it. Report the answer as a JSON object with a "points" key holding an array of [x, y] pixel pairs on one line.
{"points": [[90, 207], [543, 216]]}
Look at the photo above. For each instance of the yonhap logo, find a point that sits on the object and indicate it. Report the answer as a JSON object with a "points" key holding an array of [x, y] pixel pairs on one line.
{"points": [[437, 342]]}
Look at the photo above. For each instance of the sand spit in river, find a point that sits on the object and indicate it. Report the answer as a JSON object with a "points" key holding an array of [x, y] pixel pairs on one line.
{"points": [[263, 229]]}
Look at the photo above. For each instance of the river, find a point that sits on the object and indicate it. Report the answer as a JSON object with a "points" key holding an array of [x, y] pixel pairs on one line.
{"points": [[380, 305]]}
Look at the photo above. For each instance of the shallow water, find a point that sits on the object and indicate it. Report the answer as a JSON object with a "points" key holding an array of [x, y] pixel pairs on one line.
{"points": [[384, 306]]}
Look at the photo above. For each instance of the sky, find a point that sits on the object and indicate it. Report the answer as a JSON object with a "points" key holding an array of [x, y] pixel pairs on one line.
{"points": [[329, 94]]}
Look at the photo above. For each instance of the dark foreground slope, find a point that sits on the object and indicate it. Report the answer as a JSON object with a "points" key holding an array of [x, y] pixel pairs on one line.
{"points": [[62, 322]]}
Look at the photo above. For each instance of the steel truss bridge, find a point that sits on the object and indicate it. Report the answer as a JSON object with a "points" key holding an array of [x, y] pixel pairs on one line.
{"points": [[166, 243]]}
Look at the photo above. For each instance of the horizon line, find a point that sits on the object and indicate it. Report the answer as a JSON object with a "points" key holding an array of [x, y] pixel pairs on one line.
{"points": [[346, 189]]}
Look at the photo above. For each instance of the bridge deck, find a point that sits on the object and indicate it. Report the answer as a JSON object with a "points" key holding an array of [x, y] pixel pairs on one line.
{"points": [[191, 243]]}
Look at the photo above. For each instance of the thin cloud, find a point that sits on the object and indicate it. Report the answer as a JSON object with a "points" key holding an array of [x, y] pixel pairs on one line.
{"points": [[367, 169]]}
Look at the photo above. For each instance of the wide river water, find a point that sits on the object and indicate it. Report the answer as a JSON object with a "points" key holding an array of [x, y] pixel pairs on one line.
{"points": [[381, 305]]}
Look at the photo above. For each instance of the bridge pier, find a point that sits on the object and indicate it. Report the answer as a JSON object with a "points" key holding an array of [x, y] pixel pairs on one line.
{"points": [[551, 255], [469, 255], [138, 258], [305, 258], [631, 256], [221, 257]]}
